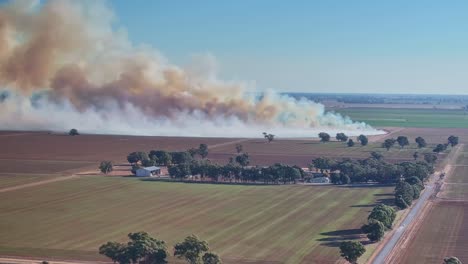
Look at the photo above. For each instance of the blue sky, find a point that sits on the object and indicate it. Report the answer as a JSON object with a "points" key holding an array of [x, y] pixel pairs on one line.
{"points": [[313, 46]]}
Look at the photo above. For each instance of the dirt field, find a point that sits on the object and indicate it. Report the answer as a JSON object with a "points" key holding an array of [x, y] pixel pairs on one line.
{"points": [[54, 153], [444, 227], [263, 224]]}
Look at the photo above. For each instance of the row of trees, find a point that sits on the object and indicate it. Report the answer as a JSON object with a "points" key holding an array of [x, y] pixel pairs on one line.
{"points": [[165, 158], [379, 220], [407, 190], [325, 137], [236, 172], [373, 169], [144, 249]]}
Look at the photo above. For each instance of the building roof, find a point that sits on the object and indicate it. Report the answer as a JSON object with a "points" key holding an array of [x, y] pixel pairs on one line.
{"points": [[152, 168]]}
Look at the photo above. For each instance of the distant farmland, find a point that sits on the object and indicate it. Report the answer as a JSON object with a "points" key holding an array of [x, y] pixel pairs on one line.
{"points": [[430, 118], [287, 224]]}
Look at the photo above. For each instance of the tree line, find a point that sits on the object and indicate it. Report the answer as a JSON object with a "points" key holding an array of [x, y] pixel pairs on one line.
{"points": [[372, 169], [144, 249]]}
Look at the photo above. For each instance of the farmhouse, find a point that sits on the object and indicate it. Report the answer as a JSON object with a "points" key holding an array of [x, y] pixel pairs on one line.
{"points": [[148, 171]]}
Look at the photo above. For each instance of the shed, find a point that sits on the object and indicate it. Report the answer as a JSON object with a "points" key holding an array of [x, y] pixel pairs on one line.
{"points": [[148, 171]]}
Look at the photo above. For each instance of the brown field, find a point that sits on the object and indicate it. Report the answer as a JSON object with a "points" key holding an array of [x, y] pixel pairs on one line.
{"points": [[42, 152], [443, 229]]}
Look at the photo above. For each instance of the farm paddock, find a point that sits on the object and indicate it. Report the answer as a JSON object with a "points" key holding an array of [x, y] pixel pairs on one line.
{"points": [[244, 224], [442, 231]]}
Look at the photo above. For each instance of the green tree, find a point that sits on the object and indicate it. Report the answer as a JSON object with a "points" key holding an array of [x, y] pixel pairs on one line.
{"points": [[341, 137], [406, 191], [243, 159], [376, 155], [268, 137], [453, 140], [73, 132], [400, 202], [193, 152], [402, 141], [211, 258], [137, 156], [352, 250], [452, 260], [350, 143], [363, 140], [345, 179], [142, 248], [191, 249], [324, 137], [384, 214], [203, 150], [160, 157], [106, 166], [439, 148], [416, 155], [181, 157], [335, 178], [388, 143], [430, 158], [421, 142], [322, 164], [374, 229]]}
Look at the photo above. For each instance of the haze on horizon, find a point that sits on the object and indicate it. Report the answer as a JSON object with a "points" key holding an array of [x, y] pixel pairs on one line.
{"points": [[313, 46]]}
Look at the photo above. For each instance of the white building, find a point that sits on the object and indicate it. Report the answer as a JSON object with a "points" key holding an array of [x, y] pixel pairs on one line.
{"points": [[148, 171]]}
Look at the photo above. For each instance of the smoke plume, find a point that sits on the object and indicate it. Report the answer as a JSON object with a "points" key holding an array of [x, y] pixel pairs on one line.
{"points": [[63, 65]]}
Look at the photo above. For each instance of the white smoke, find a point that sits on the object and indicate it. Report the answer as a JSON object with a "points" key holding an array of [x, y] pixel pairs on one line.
{"points": [[63, 66]]}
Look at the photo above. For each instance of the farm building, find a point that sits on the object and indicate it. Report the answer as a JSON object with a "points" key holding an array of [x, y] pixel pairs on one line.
{"points": [[148, 171]]}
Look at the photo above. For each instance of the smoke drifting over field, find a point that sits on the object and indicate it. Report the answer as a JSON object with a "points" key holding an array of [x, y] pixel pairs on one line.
{"points": [[63, 65]]}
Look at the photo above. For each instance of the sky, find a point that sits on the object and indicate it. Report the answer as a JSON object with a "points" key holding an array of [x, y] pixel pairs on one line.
{"points": [[358, 46]]}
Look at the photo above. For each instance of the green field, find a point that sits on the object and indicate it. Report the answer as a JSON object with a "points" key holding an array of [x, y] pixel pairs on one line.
{"points": [[389, 117], [244, 224]]}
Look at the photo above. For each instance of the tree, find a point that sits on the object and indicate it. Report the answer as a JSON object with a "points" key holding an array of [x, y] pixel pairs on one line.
{"points": [[453, 140], [374, 229], [345, 179], [73, 132], [439, 148], [182, 157], [341, 137], [406, 191], [179, 171], [402, 141], [388, 143], [430, 158], [416, 155], [243, 159], [384, 214], [211, 258], [193, 152], [335, 178], [203, 150], [162, 157], [191, 249], [400, 202], [363, 140], [376, 155], [106, 166], [352, 250], [137, 156], [322, 164], [324, 137], [452, 260], [239, 148], [142, 248], [350, 143], [421, 142], [268, 137]]}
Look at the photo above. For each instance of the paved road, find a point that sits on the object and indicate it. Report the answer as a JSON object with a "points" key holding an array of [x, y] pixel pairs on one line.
{"points": [[413, 213]]}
